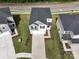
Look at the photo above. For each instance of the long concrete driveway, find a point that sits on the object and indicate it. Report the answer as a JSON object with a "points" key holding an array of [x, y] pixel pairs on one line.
{"points": [[7, 50], [75, 50], [38, 46]]}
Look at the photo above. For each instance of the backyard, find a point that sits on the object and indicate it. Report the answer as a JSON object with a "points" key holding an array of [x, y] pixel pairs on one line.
{"points": [[54, 49]]}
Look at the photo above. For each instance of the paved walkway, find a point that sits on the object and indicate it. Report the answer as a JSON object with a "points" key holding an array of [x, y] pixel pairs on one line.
{"points": [[25, 55], [38, 46], [75, 50]]}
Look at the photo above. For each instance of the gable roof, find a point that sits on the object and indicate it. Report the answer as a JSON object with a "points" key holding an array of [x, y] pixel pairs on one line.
{"points": [[70, 22], [40, 14], [4, 13]]}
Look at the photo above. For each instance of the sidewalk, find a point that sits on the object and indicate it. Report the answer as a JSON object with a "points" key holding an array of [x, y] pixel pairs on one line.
{"points": [[23, 54]]}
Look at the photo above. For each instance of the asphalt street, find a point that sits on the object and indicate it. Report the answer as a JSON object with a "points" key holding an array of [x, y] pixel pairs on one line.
{"points": [[55, 7]]}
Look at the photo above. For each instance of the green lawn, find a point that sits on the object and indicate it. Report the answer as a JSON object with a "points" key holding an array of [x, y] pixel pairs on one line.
{"points": [[22, 27], [54, 49]]}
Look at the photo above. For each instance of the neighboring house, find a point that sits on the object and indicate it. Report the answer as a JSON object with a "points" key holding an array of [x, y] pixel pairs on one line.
{"points": [[68, 27], [40, 20], [6, 21]]}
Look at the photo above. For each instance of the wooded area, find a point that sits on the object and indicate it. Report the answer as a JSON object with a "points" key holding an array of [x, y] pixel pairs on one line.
{"points": [[24, 1]]}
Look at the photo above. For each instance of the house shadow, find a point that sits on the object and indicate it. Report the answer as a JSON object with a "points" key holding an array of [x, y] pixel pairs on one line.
{"points": [[16, 19]]}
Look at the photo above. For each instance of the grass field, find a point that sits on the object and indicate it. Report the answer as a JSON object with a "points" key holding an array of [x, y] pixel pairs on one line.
{"points": [[22, 27], [54, 49]]}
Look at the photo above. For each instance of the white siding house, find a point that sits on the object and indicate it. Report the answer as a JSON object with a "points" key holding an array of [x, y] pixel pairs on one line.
{"points": [[40, 28], [68, 28], [40, 20], [7, 22]]}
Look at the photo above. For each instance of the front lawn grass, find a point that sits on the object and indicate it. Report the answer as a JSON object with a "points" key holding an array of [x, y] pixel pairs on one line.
{"points": [[22, 27], [54, 48]]}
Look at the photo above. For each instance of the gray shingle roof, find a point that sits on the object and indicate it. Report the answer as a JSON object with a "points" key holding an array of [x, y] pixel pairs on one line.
{"points": [[40, 14], [4, 13], [70, 22], [6, 10], [3, 20]]}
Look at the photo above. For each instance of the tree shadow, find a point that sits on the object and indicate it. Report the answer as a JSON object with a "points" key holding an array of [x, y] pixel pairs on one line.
{"points": [[17, 19]]}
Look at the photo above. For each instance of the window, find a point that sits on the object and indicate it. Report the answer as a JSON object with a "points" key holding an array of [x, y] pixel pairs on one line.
{"points": [[31, 27], [13, 25], [42, 27], [9, 21], [48, 26], [3, 27], [35, 27]]}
